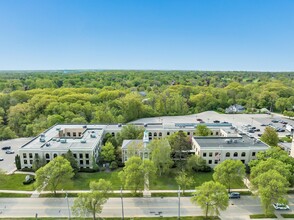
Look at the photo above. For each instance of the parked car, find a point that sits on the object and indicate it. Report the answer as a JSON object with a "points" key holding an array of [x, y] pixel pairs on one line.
{"points": [[234, 195], [251, 131], [280, 206], [10, 152], [6, 148], [263, 125], [216, 121], [199, 119], [257, 129], [275, 121], [259, 135], [1, 159]]}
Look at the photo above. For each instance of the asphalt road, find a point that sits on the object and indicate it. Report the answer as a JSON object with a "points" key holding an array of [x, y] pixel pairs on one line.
{"points": [[133, 207]]}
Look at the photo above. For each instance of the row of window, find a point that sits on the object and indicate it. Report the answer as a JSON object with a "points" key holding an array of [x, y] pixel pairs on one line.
{"points": [[74, 134], [228, 154], [87, 162], [47, 155]]}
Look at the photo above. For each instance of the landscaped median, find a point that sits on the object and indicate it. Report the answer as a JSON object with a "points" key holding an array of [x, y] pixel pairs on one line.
{"points": [[263, 216]]}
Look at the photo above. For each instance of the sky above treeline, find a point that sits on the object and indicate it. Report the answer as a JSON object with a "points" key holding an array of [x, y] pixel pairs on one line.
{"points": [[252, 35]]}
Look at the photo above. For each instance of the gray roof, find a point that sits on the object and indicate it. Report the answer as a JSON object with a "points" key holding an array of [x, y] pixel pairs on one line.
{"points": [[225, 142]]}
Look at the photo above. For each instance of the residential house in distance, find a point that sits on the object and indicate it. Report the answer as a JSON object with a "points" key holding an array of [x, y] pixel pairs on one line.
{"points": [[235, 109]]}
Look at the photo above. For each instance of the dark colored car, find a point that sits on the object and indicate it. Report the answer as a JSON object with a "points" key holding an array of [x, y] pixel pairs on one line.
{"points": [[234, 195], [6, 148], [1, 159], [216, 121]]}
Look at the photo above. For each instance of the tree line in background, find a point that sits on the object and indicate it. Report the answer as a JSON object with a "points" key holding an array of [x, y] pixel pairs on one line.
{"points": [[32, 102]]}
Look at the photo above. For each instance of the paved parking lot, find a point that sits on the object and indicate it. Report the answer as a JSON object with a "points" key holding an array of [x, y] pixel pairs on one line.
{"points": [[8, 164]]}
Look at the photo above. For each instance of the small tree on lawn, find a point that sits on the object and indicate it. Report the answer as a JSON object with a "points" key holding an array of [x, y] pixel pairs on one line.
{"points": [[211, 197], [270, 136], [73, 161], [184, 181], [108, 152]]}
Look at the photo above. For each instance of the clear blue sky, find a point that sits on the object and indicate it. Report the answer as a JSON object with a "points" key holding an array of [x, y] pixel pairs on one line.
{"points": [[147, 34]]}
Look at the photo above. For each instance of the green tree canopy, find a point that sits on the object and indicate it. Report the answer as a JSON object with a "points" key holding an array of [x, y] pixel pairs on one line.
{"points": [[92, 202], [161, 155], [73, 161], [108, 152], [211, 197], [196, 163], [229, 172], [54, 173], [270, 136], [184, 181], [202, 130]]}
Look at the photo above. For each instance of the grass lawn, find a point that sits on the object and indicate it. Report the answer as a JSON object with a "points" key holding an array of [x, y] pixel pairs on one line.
{"points": [[288, 216], [14, 195], [137, 218], [14, 182], [263, 216]]}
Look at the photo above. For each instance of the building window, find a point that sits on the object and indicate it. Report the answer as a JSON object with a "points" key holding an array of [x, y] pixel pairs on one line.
{"points": [[54, 155], [228, 154], [113, 134], [210, 162], [235, 154], [30, 155], [160, 134], [243, 154], [74, 134], [253, 154], [80, 134], [24, 155], [243, 161], [167, 133], [204, 154], [36, 155], [188, 133], [47, 156], [87, 162], [211, 133], [31, 161], [25, 162], [81, 155], [210, 154], [216, 133], [87, 155], [68, 134], [155, 134], [75, 155], [81, 162], [216, 162]]}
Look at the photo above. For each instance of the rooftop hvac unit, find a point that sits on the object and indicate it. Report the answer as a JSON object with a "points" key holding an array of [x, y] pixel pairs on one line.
{"points": [[83, 141], [57, 129], [63, 141], [53, 139], [47, 144], [235, 140], [42, 139], [228, 141], [93, 135]]}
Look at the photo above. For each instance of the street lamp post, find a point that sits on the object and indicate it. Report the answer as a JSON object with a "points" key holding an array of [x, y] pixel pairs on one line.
{"points": [[68, 209], [122, 205]]}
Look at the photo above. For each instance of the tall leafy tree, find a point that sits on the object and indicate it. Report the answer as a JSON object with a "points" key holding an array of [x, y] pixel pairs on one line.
{"points": [[229, 172], [129, 132], [92, 202], [211, 197], [135, 171], [270, 136], [73, 161], [108, 152], [272, 187], [161, 155], [180, 145], [38, 162], [54, 173]]}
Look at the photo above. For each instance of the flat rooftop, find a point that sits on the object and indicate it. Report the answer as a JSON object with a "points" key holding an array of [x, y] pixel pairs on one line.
{"points": [[232, 142], [91, 135]]}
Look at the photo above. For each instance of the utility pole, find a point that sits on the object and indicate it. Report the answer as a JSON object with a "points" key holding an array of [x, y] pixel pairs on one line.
{"points": [[122, 205], [179, 205]]}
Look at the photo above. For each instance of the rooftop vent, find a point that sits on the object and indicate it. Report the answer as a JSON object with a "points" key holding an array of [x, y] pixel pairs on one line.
{"points": [[119, 125], [57, 129], [228, 141], [42, 135], [85, 126], [63, 141], [93, 135], [42, 139], [235, 141], [83, 141], [53, 139], [47, 144]]}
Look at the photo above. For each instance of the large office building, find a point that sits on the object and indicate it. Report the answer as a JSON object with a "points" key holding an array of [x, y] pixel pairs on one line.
{"points": [[85, 141]]}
